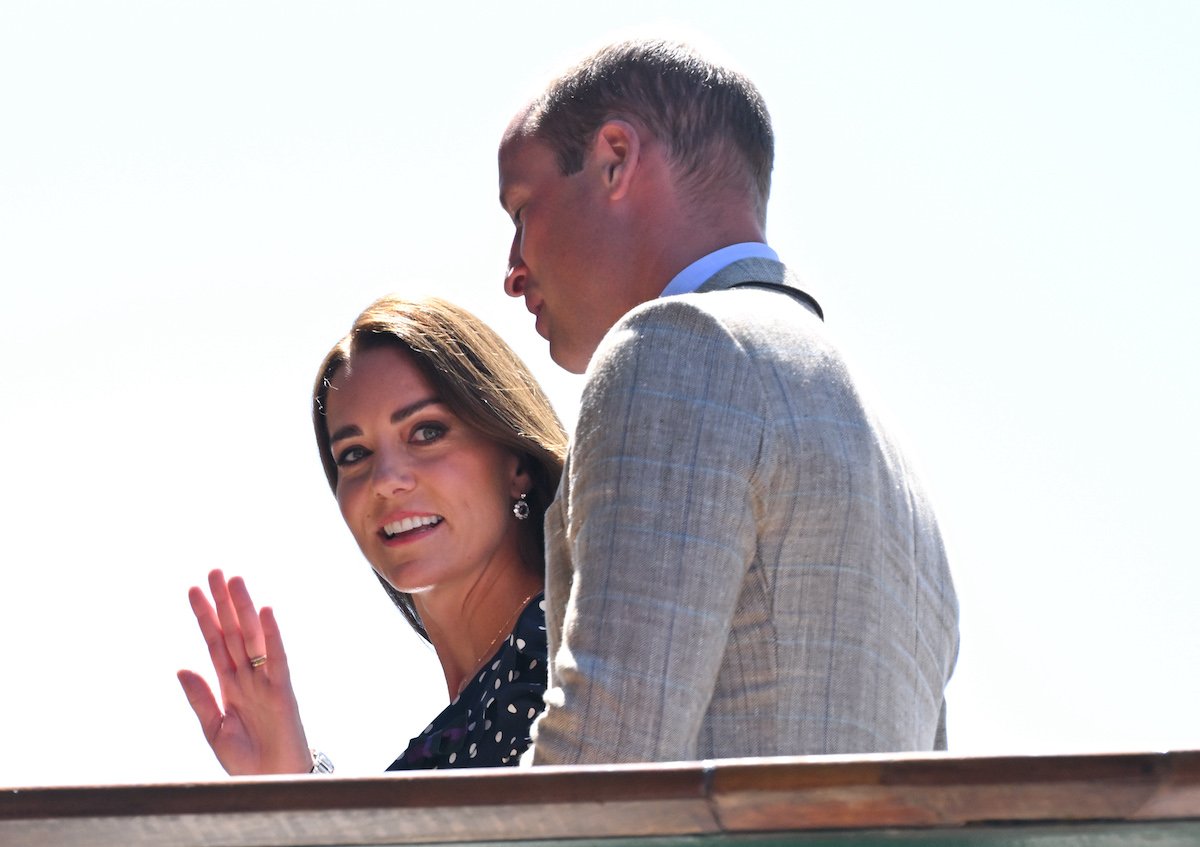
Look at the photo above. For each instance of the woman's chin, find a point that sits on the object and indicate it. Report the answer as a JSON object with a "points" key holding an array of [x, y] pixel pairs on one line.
{"points": [[405, 580]]}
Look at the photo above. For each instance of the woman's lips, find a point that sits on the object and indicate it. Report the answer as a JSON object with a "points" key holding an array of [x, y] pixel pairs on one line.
{"points": [[409, 527]]}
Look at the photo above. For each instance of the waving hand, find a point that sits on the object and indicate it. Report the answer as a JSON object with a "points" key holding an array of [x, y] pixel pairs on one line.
{"points": [[256, 729]]}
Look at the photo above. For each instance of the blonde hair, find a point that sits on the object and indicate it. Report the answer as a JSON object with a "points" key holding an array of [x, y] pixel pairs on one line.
{"points": [[478, 376]]}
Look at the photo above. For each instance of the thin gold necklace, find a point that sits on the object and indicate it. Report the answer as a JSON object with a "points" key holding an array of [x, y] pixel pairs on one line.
{"points": [[488, 651]]}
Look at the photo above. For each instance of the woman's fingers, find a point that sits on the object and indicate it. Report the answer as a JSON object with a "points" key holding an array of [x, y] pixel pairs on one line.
{"points": [[203, 703], [230, 624], [247, 615], [210, 628], [273, 649], [227, 616]]}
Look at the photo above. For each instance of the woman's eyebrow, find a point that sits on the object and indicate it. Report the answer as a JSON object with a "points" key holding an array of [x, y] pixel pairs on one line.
{"points": [[351, 430], [412, 408], [348, 431]]}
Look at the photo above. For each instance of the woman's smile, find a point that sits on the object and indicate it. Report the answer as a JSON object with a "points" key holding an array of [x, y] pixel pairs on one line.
{"points": [[410, 528]]}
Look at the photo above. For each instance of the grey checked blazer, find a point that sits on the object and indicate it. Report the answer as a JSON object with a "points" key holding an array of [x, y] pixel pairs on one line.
{"points": [[740, 561]]}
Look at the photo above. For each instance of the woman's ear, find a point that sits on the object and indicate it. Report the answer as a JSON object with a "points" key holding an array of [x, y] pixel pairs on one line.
{"points": [[522, 482], [616, 155]]}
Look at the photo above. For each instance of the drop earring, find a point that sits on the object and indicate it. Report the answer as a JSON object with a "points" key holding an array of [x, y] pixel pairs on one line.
{"points": [[521, 509]]}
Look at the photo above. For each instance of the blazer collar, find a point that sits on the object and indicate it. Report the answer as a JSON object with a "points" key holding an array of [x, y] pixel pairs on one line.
{"points": [[761, 273]]}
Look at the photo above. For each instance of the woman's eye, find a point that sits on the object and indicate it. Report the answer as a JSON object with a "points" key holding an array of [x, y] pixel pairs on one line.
{"points": [[350, 456], [428, 432]]}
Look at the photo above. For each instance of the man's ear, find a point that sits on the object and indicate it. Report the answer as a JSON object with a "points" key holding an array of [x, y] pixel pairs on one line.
{"points": [[617, 153]]}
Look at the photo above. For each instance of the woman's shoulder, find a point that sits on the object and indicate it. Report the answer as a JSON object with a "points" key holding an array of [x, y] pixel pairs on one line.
{"points": [[529, 634], [488, 724]]}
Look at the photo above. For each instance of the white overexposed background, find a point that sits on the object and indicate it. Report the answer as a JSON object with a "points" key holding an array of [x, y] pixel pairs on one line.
{"points": [[996, 203]]}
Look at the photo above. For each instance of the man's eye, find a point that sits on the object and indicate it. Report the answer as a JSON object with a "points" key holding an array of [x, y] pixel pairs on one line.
{"points": [[350, 456], [428, 432]]}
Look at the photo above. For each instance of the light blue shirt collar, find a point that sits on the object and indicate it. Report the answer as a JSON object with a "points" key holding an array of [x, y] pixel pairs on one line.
{"points": [[694, 275]]}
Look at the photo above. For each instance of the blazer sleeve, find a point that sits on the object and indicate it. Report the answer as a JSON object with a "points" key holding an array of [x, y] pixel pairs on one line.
{"points": [[660, 532]]}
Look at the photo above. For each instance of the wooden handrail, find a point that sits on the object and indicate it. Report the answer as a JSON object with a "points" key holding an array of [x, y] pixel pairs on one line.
{"points": [[714, 798]]}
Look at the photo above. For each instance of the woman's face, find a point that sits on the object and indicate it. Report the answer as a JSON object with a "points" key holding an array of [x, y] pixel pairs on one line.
{"points": [[427, 498]]}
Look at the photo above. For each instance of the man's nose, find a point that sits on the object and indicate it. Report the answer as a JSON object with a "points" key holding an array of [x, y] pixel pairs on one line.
{"points": [[514, 280]]}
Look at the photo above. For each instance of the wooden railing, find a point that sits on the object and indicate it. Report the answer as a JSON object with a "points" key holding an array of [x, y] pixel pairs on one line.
{"points": [[1121, 799]]}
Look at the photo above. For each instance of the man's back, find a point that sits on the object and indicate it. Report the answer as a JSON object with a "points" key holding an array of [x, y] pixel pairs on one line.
{"points": [[760, 572]]}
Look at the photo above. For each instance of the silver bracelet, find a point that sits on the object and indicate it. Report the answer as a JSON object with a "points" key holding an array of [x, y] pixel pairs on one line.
{"points": [[321, 762]]}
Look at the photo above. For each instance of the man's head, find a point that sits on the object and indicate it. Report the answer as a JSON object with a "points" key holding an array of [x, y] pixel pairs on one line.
{"points": [[711, 119], [633, 164]]}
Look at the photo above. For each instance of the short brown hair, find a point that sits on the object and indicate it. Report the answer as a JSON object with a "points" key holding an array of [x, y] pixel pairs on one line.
{"points": [[712, 119], [479, 378]]}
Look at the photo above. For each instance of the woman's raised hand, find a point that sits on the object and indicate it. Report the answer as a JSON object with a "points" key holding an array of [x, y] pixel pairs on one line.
{"points": [[257, 728]]}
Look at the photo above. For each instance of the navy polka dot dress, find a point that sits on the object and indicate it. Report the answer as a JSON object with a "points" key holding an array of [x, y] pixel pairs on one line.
{"points": [[487, 725]]}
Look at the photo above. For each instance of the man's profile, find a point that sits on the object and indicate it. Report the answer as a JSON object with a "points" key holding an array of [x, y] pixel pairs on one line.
{"points": [[740, 561]]}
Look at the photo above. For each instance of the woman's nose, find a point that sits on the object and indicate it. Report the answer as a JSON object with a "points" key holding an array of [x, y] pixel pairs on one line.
{"points": [[392, 474]]}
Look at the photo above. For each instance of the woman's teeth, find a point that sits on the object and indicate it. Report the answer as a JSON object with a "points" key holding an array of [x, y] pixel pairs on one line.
{"points": [[395, 528]]}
